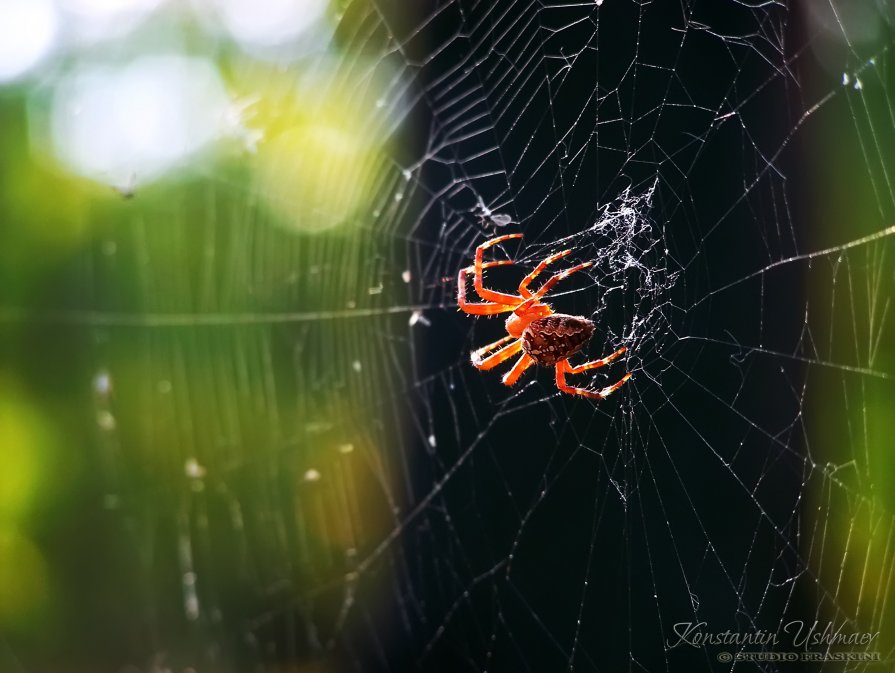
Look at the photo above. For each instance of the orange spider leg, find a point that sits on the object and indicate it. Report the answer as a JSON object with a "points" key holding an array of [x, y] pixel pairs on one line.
{"points": [[461, 277], [546, 287], [488, 265], [481, 290], [496, 240], [563, 367], [481, 308], [523, 286], [593, 364], [521, 365], [495, 359]]}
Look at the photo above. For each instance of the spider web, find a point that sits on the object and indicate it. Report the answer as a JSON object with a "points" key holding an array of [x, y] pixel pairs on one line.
{"points": [[358, 497]]}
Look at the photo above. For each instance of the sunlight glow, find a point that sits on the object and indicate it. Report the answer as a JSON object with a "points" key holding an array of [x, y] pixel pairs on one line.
{"points": [[98, 19], [130, 124], [28, 31], [105, 8], [319, 173], [268, 23], [323, 142]]}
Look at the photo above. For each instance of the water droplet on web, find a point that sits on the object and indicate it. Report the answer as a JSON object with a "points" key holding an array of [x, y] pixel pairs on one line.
{"points": [[191, 607], [405, 275], [432, 442], [406, 173], [694, 601], [193, 469], [845, 79], [102, 383], [312, 475], [105, 420], [357, 366]]}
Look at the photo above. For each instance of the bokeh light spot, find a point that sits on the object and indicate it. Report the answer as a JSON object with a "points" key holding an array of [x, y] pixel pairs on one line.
{"points": [[268, 23], [28, 31], [317, 175], [93, 20], [131, 124]]}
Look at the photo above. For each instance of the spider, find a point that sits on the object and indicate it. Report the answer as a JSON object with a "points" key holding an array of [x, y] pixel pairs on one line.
{"points": [[544, 337]]}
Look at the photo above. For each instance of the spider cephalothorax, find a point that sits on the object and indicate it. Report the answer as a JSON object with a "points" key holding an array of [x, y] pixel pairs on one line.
{"points": [[544, 337]]}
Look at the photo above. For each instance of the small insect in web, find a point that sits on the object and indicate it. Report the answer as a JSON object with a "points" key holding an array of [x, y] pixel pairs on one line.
{"points": [[488, 217], [544, 337], [127, 188]]}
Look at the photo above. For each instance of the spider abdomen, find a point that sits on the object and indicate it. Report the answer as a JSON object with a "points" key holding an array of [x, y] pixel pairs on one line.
{"points": [[556, 337]]}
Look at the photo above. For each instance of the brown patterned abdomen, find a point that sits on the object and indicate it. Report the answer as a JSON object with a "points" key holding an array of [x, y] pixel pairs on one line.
{"points": [[555, 337]]}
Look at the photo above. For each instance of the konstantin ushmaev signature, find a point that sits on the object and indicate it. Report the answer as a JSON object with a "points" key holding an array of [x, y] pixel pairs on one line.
{"points": [[797, 633]]}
